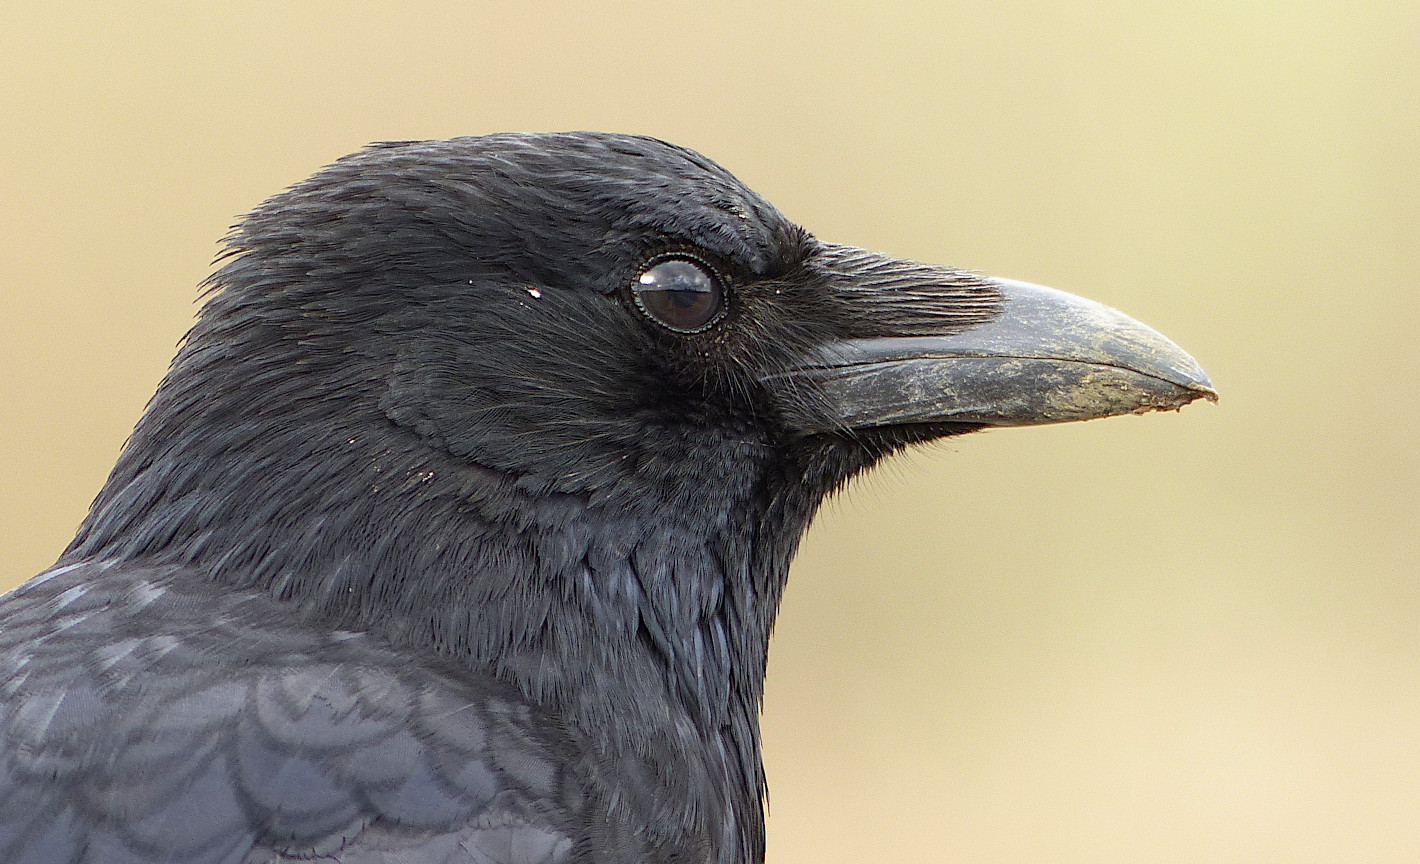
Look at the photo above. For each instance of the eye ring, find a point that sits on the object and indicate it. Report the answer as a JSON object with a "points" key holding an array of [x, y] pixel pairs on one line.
{"points": [[680, 293]]}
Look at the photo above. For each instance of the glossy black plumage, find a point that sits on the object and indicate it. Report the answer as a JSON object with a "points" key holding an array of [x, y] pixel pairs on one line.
{"points": [[432, 547]]}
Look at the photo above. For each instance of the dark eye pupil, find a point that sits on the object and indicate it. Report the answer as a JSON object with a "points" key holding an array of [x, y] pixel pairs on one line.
{"points": [[680, 294]]}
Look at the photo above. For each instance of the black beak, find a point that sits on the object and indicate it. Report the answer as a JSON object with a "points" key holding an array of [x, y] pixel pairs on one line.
{"points": [[1041, 356]]}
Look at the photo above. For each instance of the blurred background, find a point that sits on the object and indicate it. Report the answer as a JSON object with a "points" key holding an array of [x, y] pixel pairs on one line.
{"points": [[1184, 637]]}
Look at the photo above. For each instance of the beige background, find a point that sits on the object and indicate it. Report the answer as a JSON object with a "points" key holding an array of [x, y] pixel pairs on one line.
{"points": [[1190, 637]]}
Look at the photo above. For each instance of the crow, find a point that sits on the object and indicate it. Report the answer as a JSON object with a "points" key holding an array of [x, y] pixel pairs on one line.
{"points": [[457, 529]]}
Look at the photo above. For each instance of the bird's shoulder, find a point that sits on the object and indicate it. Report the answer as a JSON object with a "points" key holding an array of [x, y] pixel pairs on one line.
{"points": [[149, 717]]}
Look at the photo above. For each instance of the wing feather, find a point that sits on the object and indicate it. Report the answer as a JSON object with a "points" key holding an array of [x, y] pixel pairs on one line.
{"points": [[147, 722]]}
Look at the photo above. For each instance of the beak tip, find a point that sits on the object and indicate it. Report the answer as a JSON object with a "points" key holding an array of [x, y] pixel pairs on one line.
{"points": [[1174, 390], [1195, 382]]}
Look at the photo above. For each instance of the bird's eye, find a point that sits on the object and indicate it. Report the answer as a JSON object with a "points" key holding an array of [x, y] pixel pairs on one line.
{"points": [[681, 295]]}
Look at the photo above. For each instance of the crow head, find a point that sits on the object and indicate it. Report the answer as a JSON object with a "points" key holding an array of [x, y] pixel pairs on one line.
{"points": [[592, 313]]}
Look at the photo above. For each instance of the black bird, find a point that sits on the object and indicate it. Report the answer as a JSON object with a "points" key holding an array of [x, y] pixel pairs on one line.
{"points": [[457, 529]]}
